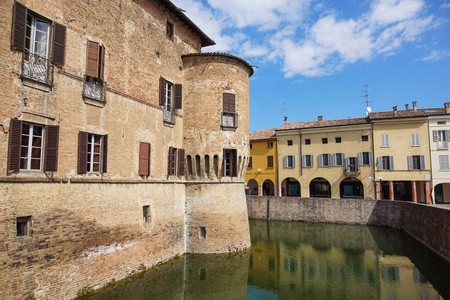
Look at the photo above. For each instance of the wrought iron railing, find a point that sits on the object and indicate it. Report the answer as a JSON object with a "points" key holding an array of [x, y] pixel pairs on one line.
{"points": [[229, 120], [94, 89], [37, 68], [169, 116]]}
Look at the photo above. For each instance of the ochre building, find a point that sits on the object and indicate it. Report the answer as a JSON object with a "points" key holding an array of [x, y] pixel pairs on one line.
{"points": [[122, 145]]}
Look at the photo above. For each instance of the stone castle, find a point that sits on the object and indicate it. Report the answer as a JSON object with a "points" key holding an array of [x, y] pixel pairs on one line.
{"points": [[122, 145]]}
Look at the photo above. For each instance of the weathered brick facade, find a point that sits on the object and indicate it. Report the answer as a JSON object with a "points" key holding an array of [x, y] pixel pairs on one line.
{"points": [[87, 227]]}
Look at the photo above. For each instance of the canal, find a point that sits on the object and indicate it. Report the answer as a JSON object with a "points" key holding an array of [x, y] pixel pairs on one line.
{"points": [[297, 260]]}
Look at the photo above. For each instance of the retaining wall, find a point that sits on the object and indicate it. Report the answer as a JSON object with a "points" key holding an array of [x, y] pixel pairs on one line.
{"points": [[429, 224]]}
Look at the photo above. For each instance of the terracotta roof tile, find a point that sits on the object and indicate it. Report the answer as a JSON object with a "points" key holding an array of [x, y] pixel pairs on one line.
{"points": [[263, 134], [324, 123]]}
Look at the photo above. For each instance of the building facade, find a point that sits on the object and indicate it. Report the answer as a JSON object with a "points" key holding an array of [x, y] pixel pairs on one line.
{"points": [[122, 144], [262, 171]]}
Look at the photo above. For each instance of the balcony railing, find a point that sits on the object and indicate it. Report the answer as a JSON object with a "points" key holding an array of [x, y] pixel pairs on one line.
{"points": [[94, 89], [37, 68], [169, 116], [229, 120]]}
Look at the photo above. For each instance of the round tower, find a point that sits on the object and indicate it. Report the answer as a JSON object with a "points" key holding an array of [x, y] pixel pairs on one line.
{"points": [[216, 141]]}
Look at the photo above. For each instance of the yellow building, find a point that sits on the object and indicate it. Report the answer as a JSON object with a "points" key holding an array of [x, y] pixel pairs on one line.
{"points": [[331, 158], [401, 148], [261, 176]]}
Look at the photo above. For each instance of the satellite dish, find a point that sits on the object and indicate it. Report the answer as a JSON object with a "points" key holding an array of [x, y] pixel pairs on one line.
{"points": [[369, 109]]}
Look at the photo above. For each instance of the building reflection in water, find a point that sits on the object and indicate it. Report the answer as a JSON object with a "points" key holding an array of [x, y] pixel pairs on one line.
{"points": [[322, 261], [294, 260]]}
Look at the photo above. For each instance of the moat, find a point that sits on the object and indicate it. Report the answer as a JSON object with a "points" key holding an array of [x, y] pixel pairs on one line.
{"points": [[297, 260]]}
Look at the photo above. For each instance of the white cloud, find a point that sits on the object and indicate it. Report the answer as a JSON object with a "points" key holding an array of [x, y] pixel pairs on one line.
{"points": [[445, 5], [391, 11], [436, 55]]}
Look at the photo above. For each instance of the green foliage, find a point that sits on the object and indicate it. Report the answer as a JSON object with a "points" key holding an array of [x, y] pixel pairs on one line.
{"points": [[84, 291], [142, 267], [31, 297]]}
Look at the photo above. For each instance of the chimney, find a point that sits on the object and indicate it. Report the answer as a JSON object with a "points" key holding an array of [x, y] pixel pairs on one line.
{"points": [[285, 120], [319, 118], [415, 105], [447, 107], [395, 110], [406, 106]]}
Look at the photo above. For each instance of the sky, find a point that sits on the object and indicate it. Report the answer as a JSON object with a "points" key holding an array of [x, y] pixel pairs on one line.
{"points": [[313, 57]]}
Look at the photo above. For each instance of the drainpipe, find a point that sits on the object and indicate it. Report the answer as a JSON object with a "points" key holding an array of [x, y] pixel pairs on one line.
{"points": [[374, 164], [433, 201]]}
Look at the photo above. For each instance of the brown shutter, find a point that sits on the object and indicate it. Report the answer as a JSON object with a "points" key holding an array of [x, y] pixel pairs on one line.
{"points": [[178, 96], [234, 163], [92, 59], [102, 63], [170, 160], [229, 103], [105, 153], [162, 86], [270, 161], [51, 148], [59, 43], [82, 152], [15, 139], [144, 158], [19, 26], [181, 159]]}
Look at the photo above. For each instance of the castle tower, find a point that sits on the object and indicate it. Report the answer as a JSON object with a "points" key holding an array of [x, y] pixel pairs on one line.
{"points": [[216, 140]]}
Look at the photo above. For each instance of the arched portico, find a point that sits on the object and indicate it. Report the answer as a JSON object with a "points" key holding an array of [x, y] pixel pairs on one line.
{"points": [[268, 188], [351, 188], [442, 193], [253, 186], [320, 187], [290, 187]]}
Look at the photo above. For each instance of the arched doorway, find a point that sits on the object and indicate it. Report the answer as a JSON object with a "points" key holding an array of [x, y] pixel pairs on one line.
{"points": [[290, 187], [442, 193], [320, 187], [268, 188], [351, 188], [253, 186]]}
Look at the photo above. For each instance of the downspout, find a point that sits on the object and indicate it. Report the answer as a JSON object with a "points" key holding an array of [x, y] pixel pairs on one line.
{"points": [[374, 160], [433, 201], [300, 161]]}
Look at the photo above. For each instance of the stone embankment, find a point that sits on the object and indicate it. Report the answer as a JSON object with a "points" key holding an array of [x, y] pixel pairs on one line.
{"points": [[428, 224]]}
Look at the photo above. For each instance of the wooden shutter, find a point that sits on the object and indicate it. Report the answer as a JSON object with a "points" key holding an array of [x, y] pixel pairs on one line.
{"points": [[105, 153], [410, 162], [391, 163], [312, 160], [234, 163], [15, 139], [19, 26], [441, 162], [229, 103], [82, 152], [320, 160], [178, 96], [448, 135], [170, 161], [59, 43], [101, 74], [422, 162], [250, 162], [144, 158], [162, 89], [380, 163], [361, 158], [347, 163], [334, 159], [270, 161], [181, 159], [51, 148], [370, 158], [435, 136], [92, 59]]}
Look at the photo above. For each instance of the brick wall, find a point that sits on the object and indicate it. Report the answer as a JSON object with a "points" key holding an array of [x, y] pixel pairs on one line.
{"points": [[428, 224]]}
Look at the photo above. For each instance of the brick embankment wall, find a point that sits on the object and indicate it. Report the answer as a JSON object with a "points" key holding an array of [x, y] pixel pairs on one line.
{"points": [[429, 224]]}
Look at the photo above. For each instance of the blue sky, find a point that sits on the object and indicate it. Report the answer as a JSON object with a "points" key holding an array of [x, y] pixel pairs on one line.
{"points": [[315, 55]]}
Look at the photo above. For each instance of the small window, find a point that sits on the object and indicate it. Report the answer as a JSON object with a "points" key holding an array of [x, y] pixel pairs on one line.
{"points": [[289, 161], [229, 115], [94, 87], [441, 122], [176, 160], [324, 140], [308, 161], [23, 226], [169, 30], [415, 140], [307, 142], [203, 232], [251, 146], [269, 144], [338, 140], [146, 213], [384, 140], [289, 142], [270, 161], [170, 97], [230, 162], [365, 138], [250, 162]]}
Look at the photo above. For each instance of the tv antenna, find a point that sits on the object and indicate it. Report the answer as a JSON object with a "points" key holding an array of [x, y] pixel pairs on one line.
{"points": [[366, 95]]}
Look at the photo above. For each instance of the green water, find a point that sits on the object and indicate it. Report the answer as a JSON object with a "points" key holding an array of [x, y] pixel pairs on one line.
{"points": [[293, 260]]}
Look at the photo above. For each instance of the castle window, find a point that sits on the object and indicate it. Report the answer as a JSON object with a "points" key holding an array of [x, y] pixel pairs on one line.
{"points": [[92, 153], [169, 30], [27, 149], [146, 213], [35, 36], [176, 160], [229, 115], [94, 86], [144, 158], [170, 97], [230, 162], [23, 225]]}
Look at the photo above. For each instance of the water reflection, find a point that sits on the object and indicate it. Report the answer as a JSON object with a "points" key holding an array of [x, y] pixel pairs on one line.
{"points": [[292, 260]]}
